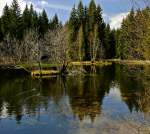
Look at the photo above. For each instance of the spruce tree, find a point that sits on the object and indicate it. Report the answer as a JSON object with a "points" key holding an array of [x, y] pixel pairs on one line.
{"points": [[15, 22], [1, 33], [73, 24], [112, 43], [5, 21], [107, 40], [80, 12], [43, 23], [80, 43], [34, 17], [129, 36], [86, 32], [26, 18], [91, 13], [96, 42], [101, 31], [54, 23]]}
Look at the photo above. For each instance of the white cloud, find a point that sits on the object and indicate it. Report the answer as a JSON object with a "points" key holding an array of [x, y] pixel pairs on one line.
{"points": [[44, 3], [115, 21]]}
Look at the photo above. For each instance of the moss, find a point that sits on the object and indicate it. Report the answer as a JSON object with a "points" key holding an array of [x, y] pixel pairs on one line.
{"points": [[36, 65]]}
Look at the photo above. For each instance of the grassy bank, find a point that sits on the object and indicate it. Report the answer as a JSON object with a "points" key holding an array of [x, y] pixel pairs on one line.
{"points": [[36, 65], [51, 69], [75, 63], [88, 63]]}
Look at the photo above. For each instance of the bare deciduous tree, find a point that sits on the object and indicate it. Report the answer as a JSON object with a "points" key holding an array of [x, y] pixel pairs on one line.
{"points": [[56, 44], [9, 50], [31, 47]]}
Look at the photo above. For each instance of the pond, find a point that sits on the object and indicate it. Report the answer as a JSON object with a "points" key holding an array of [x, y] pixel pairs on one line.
{"points": [[106, 100]]}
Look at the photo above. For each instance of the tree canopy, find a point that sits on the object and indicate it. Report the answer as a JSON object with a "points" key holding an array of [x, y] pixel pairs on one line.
{"points": [[87, 36]]}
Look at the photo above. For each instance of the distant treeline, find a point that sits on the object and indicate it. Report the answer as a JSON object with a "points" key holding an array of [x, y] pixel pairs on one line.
{"points": [[134, 36], [15, 24], [89, 34], [26, 36]]}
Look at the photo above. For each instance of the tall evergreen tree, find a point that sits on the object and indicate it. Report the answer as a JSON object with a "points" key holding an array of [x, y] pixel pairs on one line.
{"points": [[86, 32], [54, 23], [5, 20], [15, 20], [73, 24], [80, 12], [1, 33], [15, 8], [80, 42], [107, 40], [43, 23], [134, 35], [26, 18], [34, 17], [91, 13], [129, 36], [101, 31], [96, 43], [29, 19], [112, 43]]}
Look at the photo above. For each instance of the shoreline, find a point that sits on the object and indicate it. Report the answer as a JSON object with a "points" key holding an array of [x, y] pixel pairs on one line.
{"points": [[51, 69], [76, 63]]}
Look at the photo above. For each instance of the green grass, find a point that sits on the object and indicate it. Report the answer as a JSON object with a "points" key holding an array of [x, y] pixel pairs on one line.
{"points": [[36, 65], [131, 62], [88, 63], [75, 63]]}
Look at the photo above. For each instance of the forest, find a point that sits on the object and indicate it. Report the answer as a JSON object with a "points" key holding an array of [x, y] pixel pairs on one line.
{"points": [[78, 76], [29, 37]]}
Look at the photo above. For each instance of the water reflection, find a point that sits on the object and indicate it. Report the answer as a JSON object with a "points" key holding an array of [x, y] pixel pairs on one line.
{"points": [[77, 98], [134, 85]]}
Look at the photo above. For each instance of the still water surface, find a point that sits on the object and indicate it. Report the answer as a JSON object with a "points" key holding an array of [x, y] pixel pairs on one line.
{"points": [[107, 100]]}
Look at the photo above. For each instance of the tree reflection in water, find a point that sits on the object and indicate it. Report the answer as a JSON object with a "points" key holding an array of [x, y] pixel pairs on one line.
{"points": [[76, 97]]}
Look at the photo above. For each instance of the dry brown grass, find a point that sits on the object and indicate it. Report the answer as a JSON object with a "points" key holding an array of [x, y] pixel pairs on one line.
{"points": [[89, 63], [131, 62], [44, 72]]}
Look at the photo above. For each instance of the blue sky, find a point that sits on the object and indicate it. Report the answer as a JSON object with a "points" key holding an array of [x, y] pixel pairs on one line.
{"points": [[63, 7], [113, 10]]}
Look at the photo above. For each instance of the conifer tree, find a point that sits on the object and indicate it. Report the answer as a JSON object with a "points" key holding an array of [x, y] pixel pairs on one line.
{"points": [[112, 43], [80, 42], [43, 23], [73, 24], [34, 18], [96, 43], [54, 23], [101, 31], [92, 14], [129, 36], [80, 12], [26, 18], [1, 33], [86, 32], [107, 40], [5, 20], [15, 20]]}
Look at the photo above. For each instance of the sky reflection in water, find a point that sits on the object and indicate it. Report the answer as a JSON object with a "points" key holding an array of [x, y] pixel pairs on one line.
{"points": [[104, 100]]}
